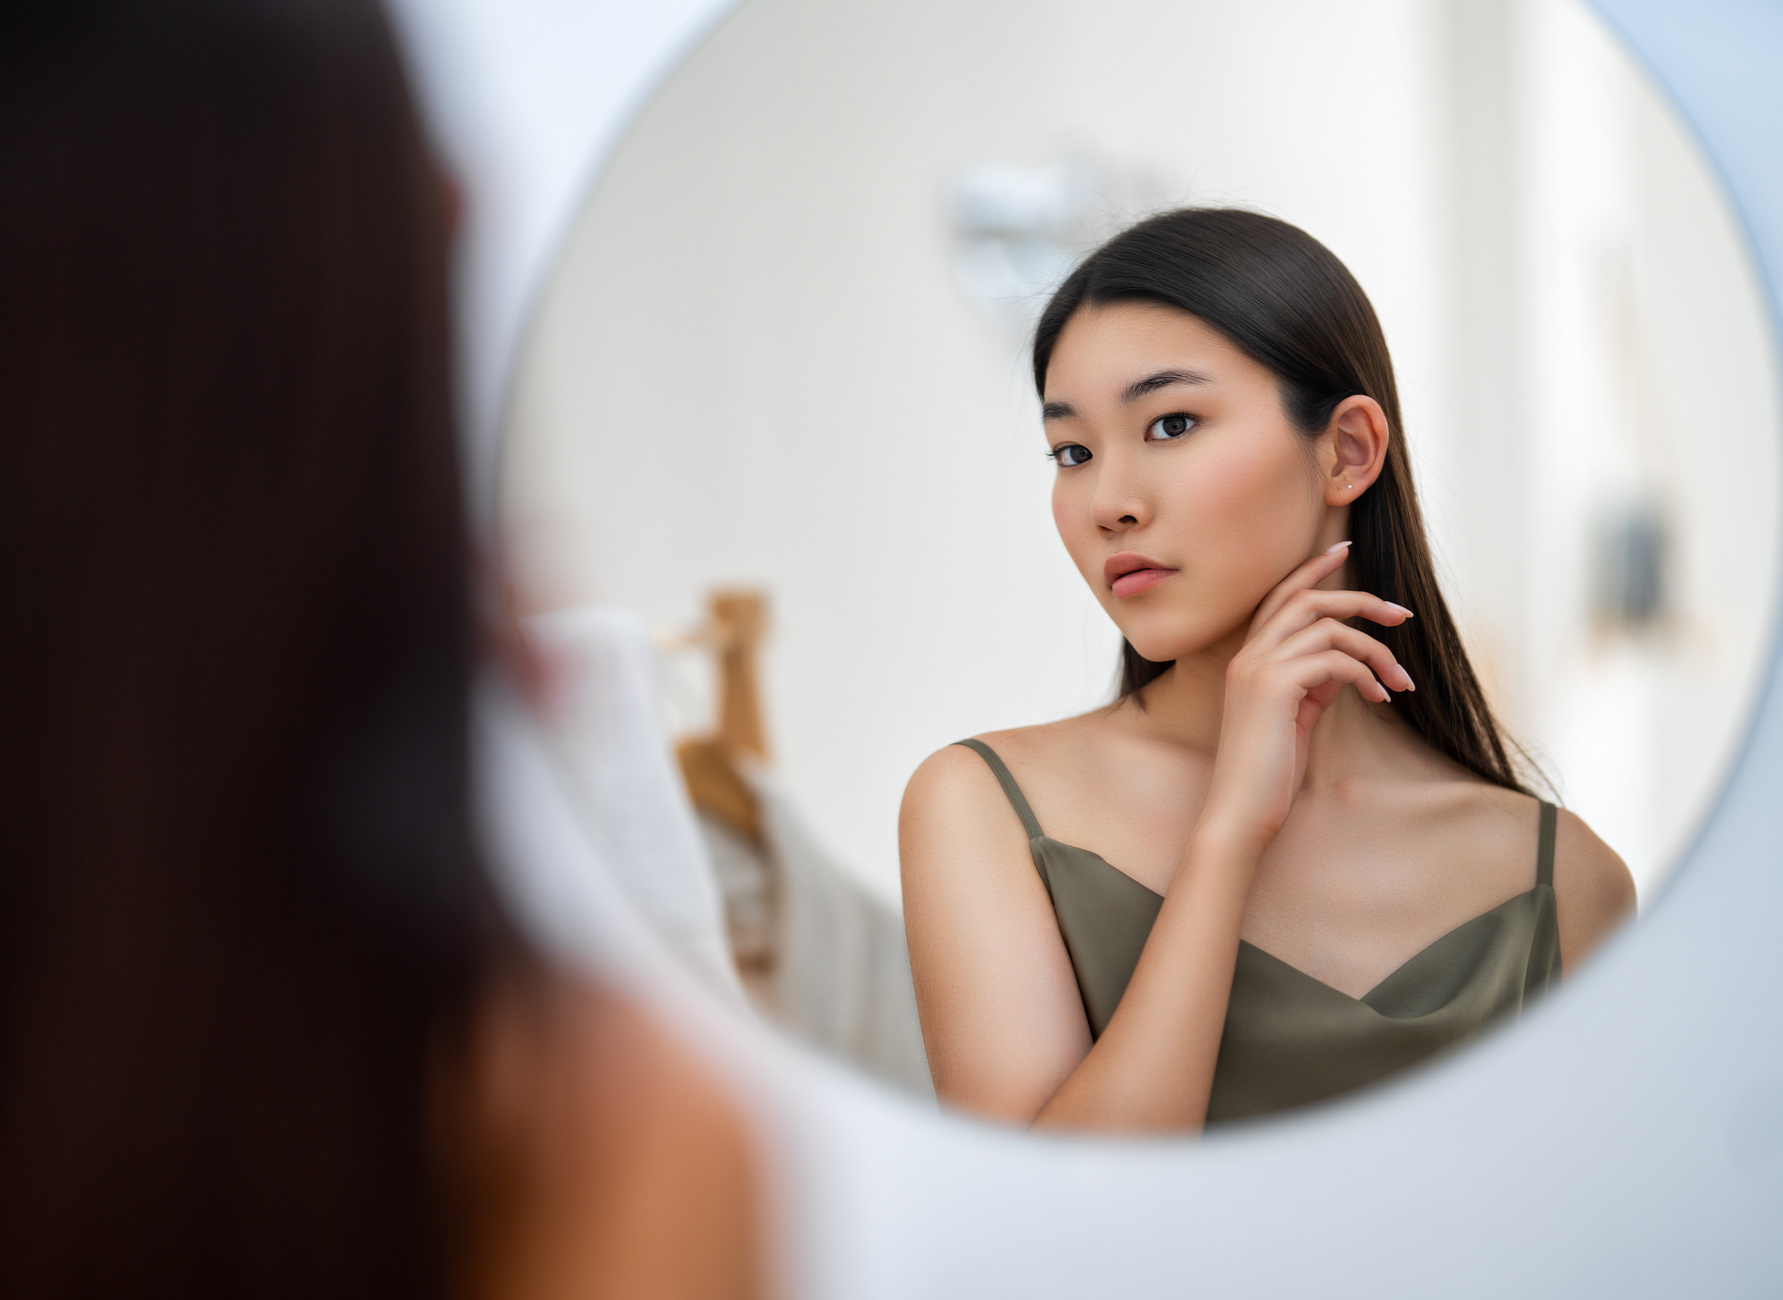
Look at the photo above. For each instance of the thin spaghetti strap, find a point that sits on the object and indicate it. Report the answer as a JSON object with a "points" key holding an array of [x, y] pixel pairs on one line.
{"points": [[1007, 781], [1544, 855]]}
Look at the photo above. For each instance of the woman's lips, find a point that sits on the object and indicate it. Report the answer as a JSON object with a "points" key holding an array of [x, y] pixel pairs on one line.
{"points": [[1131, 584], [1129, 574]]}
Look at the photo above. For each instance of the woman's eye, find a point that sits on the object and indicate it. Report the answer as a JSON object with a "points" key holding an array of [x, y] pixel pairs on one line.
{"points": [[1069, 454], [1166, 427]]}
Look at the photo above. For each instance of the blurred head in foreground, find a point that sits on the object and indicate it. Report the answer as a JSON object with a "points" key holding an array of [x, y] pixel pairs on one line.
{"points": [[243, 926]]}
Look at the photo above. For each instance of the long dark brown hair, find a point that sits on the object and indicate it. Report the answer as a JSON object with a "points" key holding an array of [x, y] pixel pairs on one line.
{"points": [[241, 912], [1285, 300]]}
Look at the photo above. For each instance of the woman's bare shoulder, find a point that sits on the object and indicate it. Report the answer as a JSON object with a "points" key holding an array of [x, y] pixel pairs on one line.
{"points": [[952, 790], [1002, 1020], [957, 773], [1594, 892], [956, 809], [1593, 889], [1050, 741]]}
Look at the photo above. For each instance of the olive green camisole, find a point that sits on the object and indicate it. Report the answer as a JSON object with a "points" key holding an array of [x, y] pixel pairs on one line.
{"points": [[1291, 1039]]}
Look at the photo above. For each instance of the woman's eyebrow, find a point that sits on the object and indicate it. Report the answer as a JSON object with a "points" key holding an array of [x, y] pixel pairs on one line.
{"points": [[1163, 379], [1057, 411]]}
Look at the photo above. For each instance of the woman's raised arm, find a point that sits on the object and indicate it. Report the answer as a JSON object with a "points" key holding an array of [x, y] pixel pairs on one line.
{"points": [[1002, 1018]]}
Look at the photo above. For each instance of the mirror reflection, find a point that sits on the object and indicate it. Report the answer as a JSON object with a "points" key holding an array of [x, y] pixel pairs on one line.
{"points": [[780, 404]]}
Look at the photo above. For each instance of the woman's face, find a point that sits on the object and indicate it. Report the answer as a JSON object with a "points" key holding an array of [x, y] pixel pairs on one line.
{"points": [[1184, 494]]}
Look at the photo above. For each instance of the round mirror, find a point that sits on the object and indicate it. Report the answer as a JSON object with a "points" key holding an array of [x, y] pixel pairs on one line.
{"points": [[775, 404]]}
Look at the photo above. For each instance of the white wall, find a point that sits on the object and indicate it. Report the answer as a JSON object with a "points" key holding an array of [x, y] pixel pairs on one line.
{"points": [[754, 363], [1647, 354]]}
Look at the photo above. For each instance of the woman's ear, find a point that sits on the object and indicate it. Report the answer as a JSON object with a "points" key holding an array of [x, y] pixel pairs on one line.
{"points": [[1353, 449]]}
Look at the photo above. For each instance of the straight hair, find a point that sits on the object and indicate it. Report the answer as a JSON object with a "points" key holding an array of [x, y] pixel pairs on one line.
{"points": [[242, 916], [1286, 301]]}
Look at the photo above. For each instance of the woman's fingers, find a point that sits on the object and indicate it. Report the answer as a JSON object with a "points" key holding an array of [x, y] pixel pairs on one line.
{"points": [[1310, 671], [1306, 577], [1329, 634], [1298, 635], [1304, 608]]}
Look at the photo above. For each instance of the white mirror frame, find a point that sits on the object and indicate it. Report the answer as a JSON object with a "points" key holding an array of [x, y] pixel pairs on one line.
{"points": [[1626, 1139]]}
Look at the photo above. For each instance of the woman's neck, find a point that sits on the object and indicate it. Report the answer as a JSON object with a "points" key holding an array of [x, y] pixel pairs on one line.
{"points": [[1185, 704]]}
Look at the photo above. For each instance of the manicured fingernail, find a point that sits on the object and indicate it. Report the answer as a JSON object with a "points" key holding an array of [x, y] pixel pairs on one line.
{"points": [[1410, 685], [1333, 550], [1400, 609]]}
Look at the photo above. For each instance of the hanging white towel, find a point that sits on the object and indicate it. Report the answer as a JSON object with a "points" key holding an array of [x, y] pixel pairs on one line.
{"points": [[607, 731]]}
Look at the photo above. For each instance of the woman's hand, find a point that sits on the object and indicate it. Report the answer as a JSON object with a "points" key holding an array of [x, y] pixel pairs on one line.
{"points": [[1296, 659]]}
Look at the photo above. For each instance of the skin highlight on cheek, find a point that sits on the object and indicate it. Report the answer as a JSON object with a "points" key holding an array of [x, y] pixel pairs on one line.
{"points": [[1249, 520]]}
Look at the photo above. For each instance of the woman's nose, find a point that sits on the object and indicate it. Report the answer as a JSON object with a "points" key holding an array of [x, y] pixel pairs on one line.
{"points": [[1119, 508]]}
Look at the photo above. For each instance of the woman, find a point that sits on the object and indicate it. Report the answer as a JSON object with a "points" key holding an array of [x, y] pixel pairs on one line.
{"points": [[1293, 856], [264, 1029]]}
